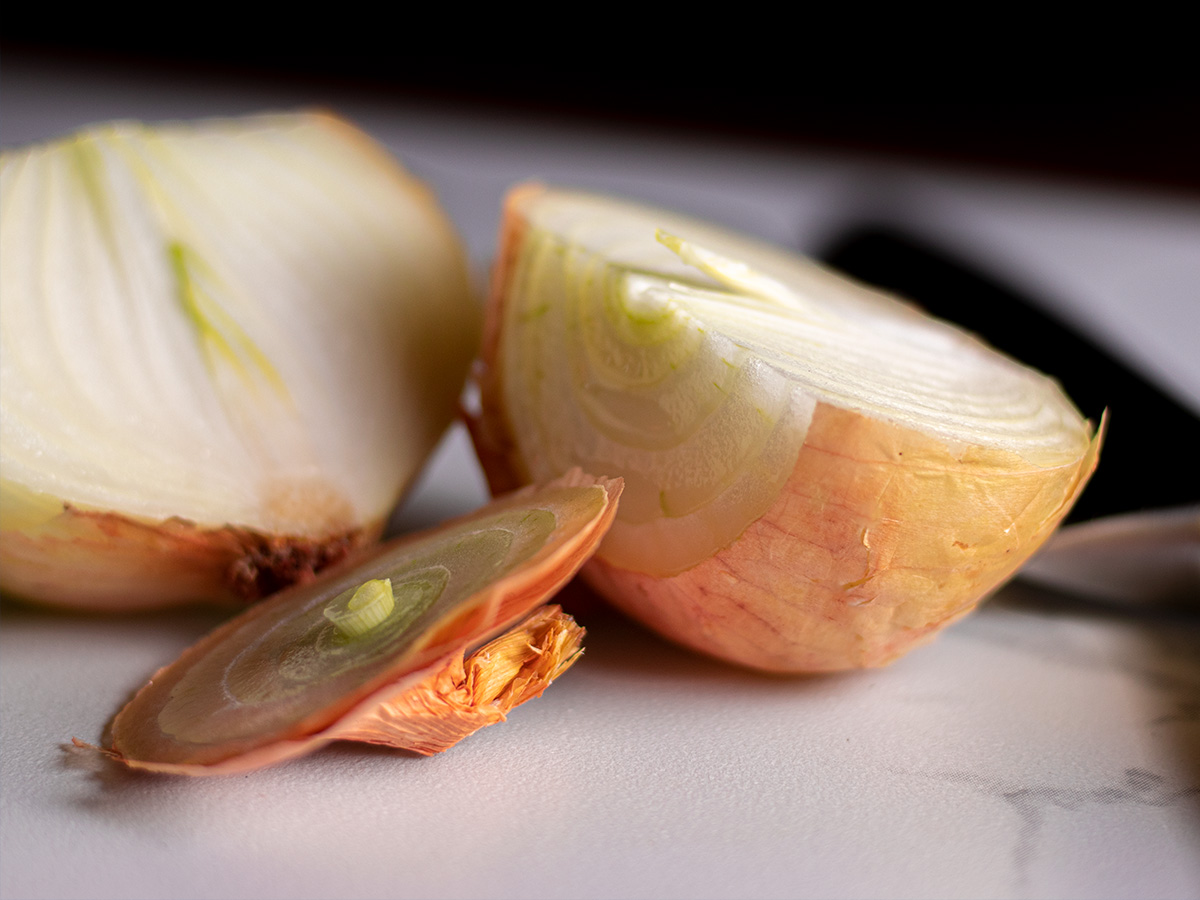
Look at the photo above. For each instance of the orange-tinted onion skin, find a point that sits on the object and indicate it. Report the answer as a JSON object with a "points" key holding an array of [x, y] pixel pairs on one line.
{"points": [[132, 565], [471, 692], [880, 538]]}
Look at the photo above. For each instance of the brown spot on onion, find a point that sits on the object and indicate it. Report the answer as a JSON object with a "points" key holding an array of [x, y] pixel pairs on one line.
{"points": [[136, 565]]}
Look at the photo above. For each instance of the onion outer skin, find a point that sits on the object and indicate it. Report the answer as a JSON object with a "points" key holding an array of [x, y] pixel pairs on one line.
{"points": [[881, 564], [423, 683], [880, 536], [471, 691], [88, 560]]}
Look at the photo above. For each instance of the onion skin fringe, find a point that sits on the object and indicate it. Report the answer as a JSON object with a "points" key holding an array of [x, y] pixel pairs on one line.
{"points": [[474, 691], [134, 566]]}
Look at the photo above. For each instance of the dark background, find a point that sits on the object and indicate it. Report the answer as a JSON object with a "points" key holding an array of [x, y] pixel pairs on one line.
{"points": [[997, 112]]}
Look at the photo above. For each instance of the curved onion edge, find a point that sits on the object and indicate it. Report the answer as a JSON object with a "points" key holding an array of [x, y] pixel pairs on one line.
{"points": [[880, 537], [73, 554], [440, 691]]}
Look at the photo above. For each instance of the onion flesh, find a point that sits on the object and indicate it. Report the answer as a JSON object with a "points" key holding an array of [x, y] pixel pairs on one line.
{"points": [[226, 348], [818, 475], [282, 679]]}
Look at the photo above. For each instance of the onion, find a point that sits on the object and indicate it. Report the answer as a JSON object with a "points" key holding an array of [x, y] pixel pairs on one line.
{"points": [[227, 347], [818, 476], [290, 674]]}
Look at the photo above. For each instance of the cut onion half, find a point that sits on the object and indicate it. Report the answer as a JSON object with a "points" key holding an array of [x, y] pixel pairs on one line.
{"points": [[226, 348], [818, 476], [291, 674]]}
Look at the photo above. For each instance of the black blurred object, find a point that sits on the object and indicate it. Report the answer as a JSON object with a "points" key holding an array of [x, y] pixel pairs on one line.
{"points": [[1149, 456]]}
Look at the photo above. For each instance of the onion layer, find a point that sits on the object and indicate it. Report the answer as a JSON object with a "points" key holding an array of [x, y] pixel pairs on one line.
{"points": [[227, 347], [818, 476], [283, 678]]}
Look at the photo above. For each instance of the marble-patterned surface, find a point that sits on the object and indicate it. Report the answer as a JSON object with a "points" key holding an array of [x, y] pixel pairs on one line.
{"points": [[1037, 749], [1040, 748]]}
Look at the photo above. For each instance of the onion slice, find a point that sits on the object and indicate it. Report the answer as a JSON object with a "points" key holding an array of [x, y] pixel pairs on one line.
{"points": [[285, 678], [818, 475], [226, 348]]}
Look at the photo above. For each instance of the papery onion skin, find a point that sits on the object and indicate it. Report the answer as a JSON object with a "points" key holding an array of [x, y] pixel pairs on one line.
{"points": [[359, 299], [880, 536], [882, 563], [473, 691], [132, 565], [426, 698]]}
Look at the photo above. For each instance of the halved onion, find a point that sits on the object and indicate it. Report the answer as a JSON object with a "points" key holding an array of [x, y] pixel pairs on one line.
{"points": [[225, 349], [818, 476], [291, 674]]}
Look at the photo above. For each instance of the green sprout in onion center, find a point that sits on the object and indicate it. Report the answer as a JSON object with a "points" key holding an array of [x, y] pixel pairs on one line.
{"points": [[366, 610]]}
